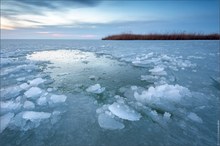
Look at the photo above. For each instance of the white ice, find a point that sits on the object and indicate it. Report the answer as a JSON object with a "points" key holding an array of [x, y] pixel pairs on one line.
{"points": [[29, 105], [24, 86], [166, 91], [95, 89], [124, 112], [10, 92], [7, 106], [33, 92], [57, 98], [32, 115], [157, 70], [42, 101], [36, 82]]}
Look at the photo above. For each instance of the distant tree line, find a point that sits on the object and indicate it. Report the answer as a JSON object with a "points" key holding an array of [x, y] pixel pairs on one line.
{"points": [[172, 36]]}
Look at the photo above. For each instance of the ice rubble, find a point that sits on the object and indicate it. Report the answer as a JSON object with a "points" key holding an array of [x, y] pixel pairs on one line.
{"points": [[165, 91], [10, 92], [28, 94], [155, 59], [10, 106], [97, 89], [28, 119]]}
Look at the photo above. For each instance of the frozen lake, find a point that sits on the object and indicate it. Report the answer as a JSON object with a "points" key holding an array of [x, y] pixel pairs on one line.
{"points": [[75, 92]]}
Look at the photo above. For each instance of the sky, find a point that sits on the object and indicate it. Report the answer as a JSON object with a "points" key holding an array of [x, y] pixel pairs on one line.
{"points": [[94, 19]]}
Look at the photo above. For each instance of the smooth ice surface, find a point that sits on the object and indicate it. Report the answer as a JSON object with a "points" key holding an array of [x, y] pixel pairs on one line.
{"points": [[124, 112]]}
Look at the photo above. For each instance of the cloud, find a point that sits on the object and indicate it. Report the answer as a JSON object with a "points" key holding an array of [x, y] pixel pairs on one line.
{"points": [[66, 35], [57, 3]]}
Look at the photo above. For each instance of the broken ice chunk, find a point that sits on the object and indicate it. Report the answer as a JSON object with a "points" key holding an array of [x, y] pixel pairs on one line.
{"points": [[5, 120], [7, 106], [24, 86], [194, 117], [124, 112], [57, 98], [29, 119], [95, 89], [36, 82], [20, 79], [33, 92], [148, 78], [157, 70], [42, 101], [32, 115], [166, 91], [10, 92], [166, 115], [107, 122], [28, 105]]}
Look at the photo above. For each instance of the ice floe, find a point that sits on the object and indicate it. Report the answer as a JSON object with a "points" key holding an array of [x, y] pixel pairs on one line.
{"points": [[36, 82], [42, 101], [124, 112], [28, 105], [57, 98], [24, 86], [95, 89], [33, 92]]}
